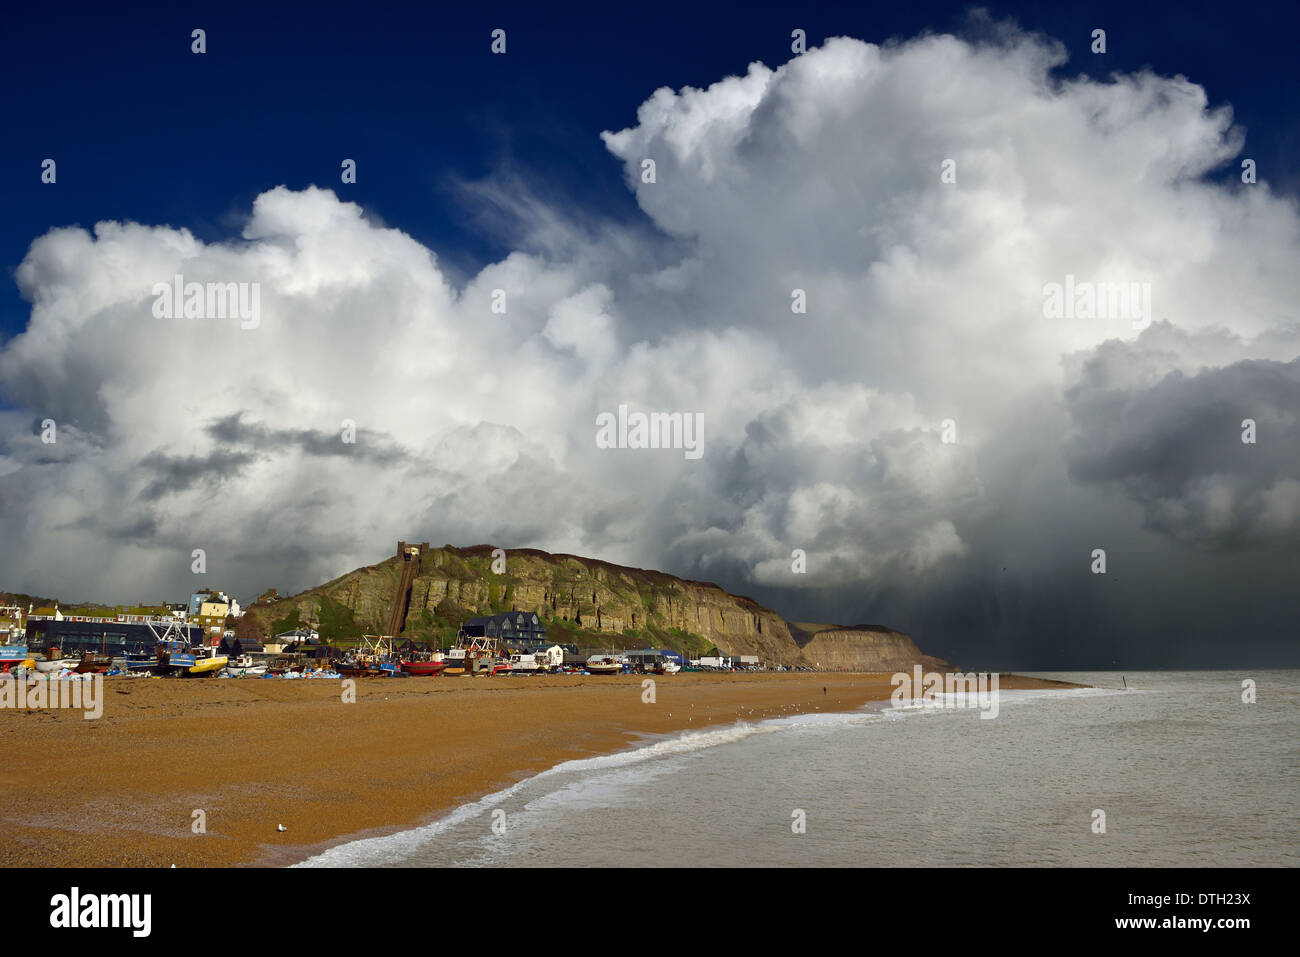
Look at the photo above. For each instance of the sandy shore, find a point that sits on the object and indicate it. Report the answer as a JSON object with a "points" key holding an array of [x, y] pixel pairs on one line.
{"points": [[253, 754]]}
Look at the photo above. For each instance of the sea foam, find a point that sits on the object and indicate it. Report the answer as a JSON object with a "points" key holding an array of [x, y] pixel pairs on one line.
{"points": [[396, 848]]}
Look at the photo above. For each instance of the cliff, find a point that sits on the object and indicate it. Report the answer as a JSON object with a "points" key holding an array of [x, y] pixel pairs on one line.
{"points": [[860, 648], [587, 602]]}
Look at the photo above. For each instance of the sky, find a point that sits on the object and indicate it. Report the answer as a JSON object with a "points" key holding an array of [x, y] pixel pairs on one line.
{"points": [[848, 264]]}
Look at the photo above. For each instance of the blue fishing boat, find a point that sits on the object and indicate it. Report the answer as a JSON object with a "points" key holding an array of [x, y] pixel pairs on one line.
{"points": [[175, 656], [11, 655], [140, 662]]}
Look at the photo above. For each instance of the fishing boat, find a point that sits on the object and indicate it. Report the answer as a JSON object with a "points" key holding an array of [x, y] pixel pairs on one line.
{"points": [[206, 664], [245, 666], [604, 665], [93, 664], [455, 662], [373, 659], [476, 655], [364, 666], [423, 668], [355, 669], [11, 655], [54, 661], [140, 663], [13, 643], [175, 656]]}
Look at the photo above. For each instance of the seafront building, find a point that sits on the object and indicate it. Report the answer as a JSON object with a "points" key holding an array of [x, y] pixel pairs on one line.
{"points": [[117, 636], [519, 632]]}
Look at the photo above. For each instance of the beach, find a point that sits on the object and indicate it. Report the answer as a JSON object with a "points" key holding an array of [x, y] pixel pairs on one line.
{"points": [[250, 755]]}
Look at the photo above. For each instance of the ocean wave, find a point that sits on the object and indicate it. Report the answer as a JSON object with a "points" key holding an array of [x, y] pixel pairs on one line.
{"points": [[396, 848]]}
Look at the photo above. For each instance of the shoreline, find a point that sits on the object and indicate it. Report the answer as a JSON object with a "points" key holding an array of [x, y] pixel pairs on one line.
{"points": [[252, 754]]}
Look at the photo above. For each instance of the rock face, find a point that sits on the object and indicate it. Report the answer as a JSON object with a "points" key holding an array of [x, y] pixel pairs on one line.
{"points": [[590, 603], [860, 648]]}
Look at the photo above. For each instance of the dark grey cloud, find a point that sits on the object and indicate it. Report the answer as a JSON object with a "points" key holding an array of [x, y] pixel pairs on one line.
{"points": [[380, 449], [1176, 447], [180, 474]]}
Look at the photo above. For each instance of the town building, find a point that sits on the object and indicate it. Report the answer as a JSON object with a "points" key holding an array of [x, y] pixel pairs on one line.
{"points": [[119, 636], [520, 632]]}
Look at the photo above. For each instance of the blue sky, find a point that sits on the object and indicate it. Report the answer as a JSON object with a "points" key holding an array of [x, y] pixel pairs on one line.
{"points": [[143, 129]]}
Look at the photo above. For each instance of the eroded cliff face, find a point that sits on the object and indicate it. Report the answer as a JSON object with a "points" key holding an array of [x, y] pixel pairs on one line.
{"points": [[861, 648], [589, 602]]}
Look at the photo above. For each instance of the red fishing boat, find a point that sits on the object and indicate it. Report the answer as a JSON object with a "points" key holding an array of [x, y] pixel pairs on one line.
{"points": [[93, 664], [422, 668]]}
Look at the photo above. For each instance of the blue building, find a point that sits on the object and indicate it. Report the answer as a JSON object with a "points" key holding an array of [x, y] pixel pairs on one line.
{"points": [[196, 601]]}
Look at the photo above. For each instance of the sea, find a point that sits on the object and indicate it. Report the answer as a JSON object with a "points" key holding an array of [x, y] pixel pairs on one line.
{"points": [[1142, 769]]}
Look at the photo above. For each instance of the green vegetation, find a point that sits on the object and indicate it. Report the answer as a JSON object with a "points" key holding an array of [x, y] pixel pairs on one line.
{"points": [[691, 644], [337, 623], [290, 622]]}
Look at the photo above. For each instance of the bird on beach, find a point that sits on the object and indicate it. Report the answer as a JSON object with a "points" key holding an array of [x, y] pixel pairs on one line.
{"points": [[281, 827]]}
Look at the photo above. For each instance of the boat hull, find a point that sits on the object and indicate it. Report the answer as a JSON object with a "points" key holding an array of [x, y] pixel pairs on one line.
{"points": [[93, 665], [12, 655], [359, 671], [207, 666], [423, 668]]}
